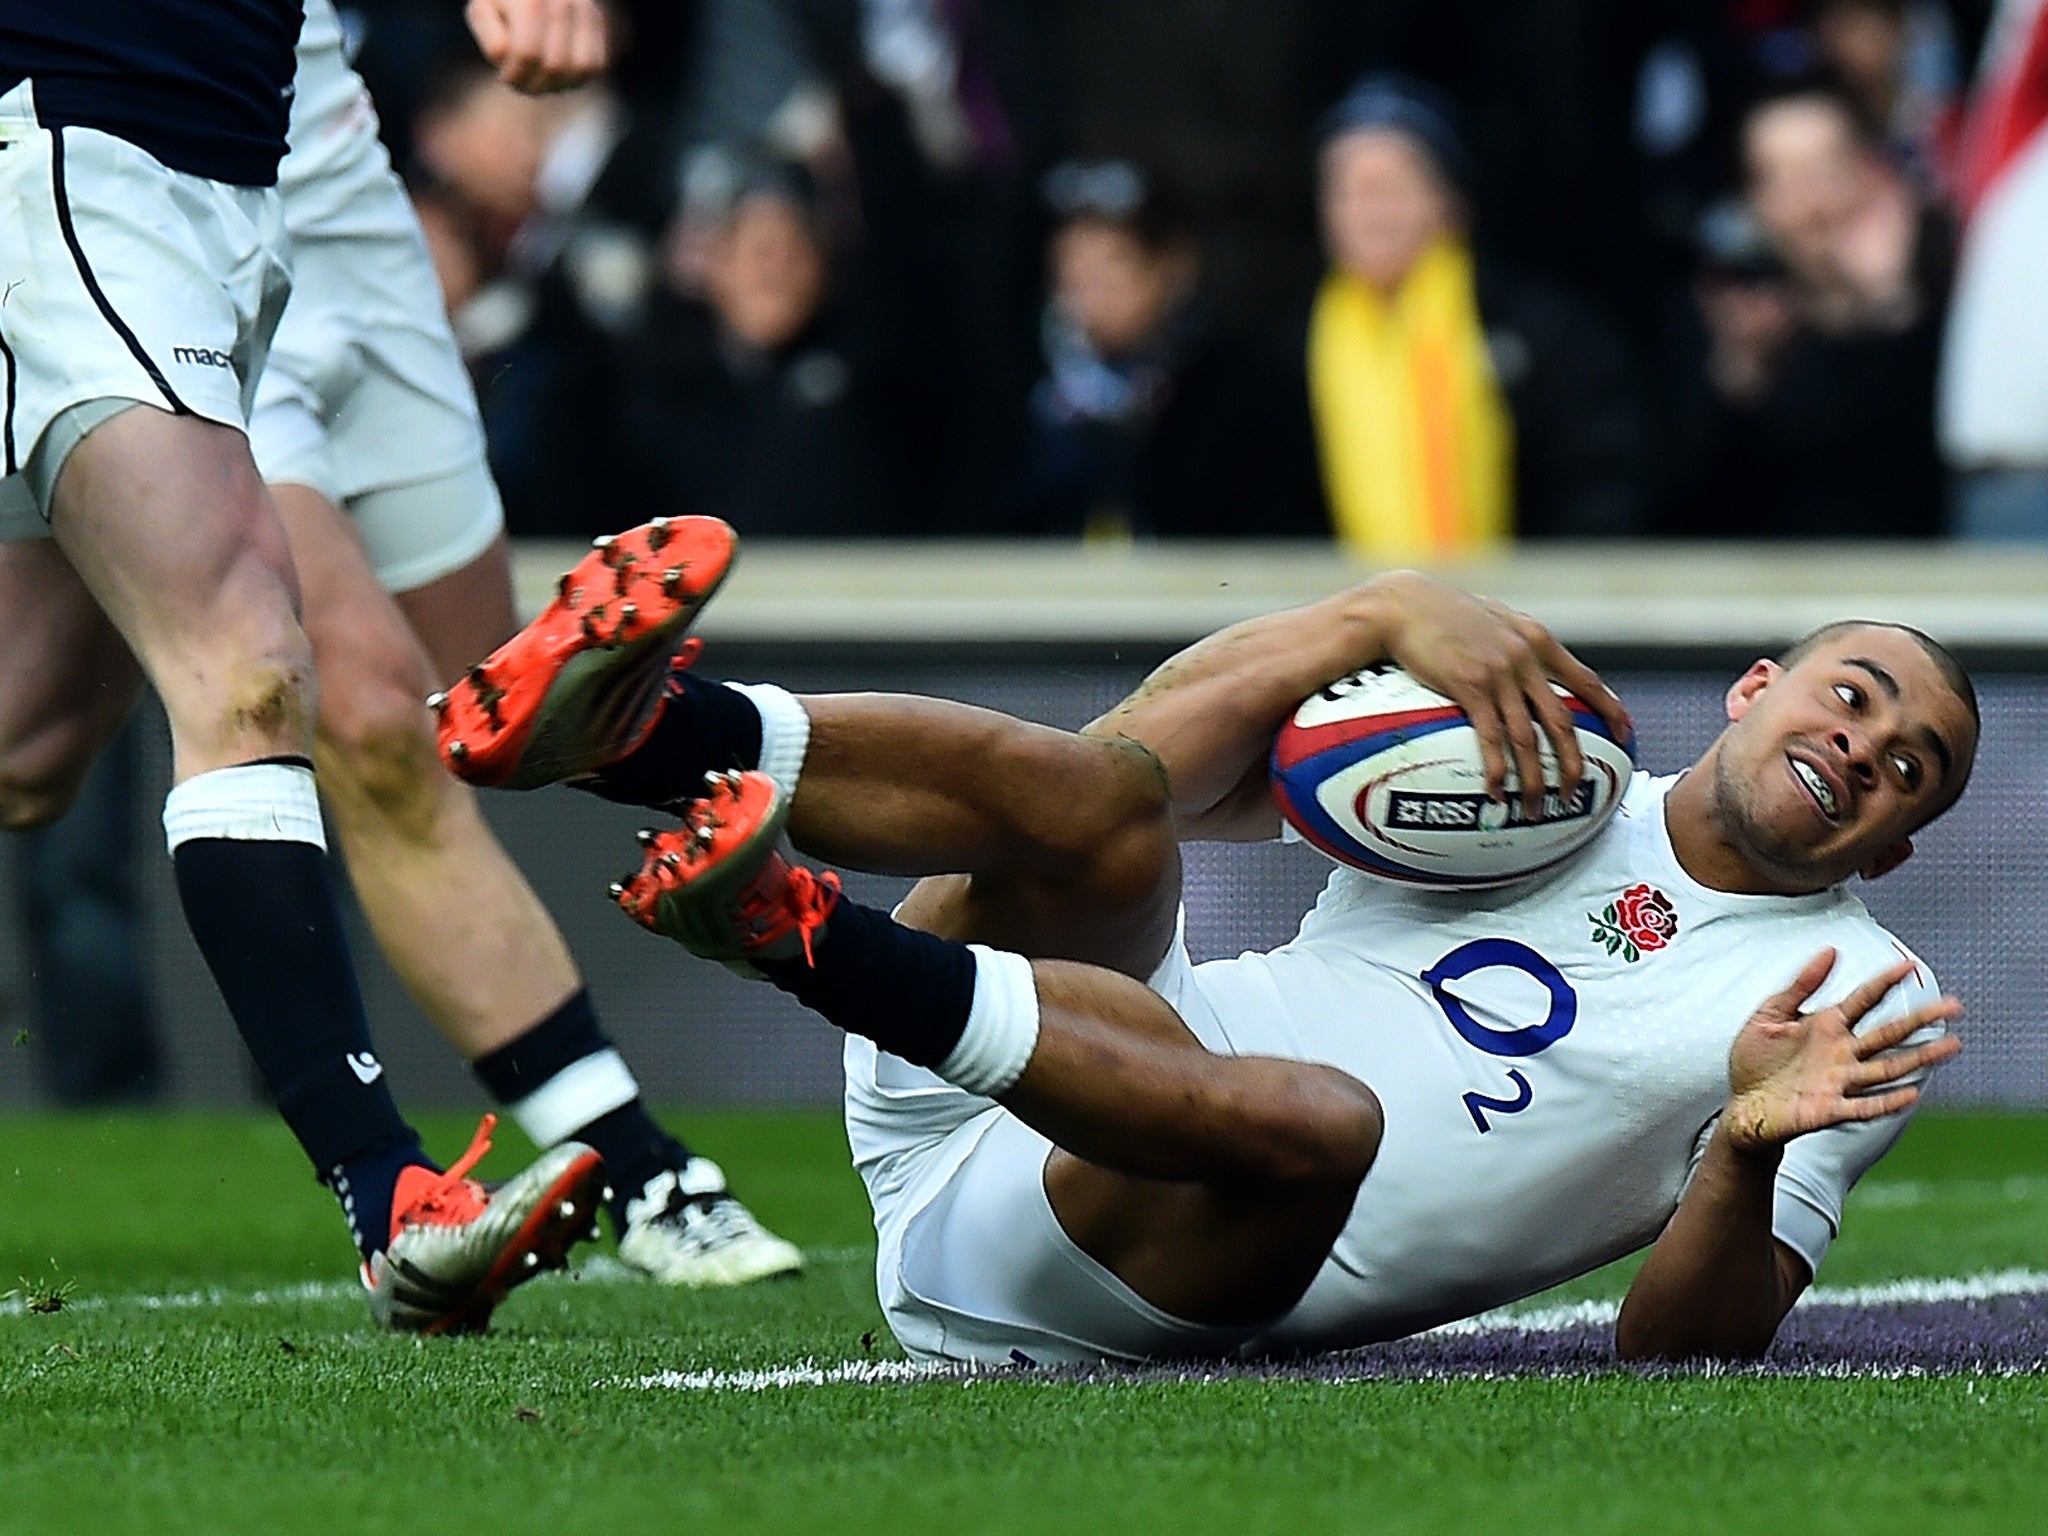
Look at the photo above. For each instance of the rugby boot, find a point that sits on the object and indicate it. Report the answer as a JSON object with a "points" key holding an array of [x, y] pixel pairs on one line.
{"points": [[686, 1228], [457, 1246], [581, 685], [717, 886]]}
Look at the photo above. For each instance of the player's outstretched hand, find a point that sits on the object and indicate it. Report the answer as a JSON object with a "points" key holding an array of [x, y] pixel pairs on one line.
{"points": [[540, 45], [1791, 1072], [1497, 665]]}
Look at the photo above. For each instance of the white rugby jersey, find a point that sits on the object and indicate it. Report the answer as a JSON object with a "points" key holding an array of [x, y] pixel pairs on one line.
{"points": [[1550, 1058]]}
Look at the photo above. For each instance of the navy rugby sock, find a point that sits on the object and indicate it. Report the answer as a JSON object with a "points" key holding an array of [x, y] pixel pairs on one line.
{"points": [[703, 727], [366, 1185], [252, 876], [908, 991], [563, 1080]]}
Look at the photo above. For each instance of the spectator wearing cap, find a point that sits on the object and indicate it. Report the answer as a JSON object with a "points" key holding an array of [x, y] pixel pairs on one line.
{"points": [[1146, 423], [1819, 377], [1456, 403], [751, 393]]}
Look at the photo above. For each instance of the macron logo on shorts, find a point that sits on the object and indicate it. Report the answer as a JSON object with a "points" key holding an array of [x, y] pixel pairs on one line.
{"points": [[366, 1067], [202, 357]]}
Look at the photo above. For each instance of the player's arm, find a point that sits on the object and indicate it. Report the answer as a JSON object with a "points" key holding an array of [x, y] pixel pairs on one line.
{"points": [[541, 45], [1718, 1282], [1210, 712]]}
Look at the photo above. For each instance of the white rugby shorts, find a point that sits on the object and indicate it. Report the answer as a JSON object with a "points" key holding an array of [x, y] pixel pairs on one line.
{"points": [[973, 1267], [120, 280], [365, 398]]}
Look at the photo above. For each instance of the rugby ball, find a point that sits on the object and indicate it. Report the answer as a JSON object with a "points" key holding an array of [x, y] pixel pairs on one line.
{"points": [[1385, 775]]}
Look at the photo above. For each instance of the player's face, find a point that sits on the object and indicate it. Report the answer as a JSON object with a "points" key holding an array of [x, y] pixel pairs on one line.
{"points": [[1831, 764]]}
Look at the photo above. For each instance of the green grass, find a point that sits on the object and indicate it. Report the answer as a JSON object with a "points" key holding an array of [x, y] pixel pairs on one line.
{"points": [[292, 1415]]}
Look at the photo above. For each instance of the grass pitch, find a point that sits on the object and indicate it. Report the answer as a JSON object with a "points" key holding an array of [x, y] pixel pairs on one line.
{"points": [[183, 1352]]}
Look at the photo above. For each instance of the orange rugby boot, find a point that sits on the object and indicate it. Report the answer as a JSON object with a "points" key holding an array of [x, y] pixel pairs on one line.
{"points": [[580, 686], [717, 886], [458, 1247]]}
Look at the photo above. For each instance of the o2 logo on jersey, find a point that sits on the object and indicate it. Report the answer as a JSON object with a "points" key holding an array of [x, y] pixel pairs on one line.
{"points": [[1560, 1014]]}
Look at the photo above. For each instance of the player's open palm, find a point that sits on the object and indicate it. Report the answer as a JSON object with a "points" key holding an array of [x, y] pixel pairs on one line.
{"points": [[1791, 1072]]}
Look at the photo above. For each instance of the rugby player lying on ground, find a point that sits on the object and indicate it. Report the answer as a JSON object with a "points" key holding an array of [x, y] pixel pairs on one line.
{"points": [[1080, 1146]]}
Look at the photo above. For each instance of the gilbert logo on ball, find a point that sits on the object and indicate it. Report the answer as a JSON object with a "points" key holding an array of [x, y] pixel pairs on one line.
{"points": [[1385, 775]]}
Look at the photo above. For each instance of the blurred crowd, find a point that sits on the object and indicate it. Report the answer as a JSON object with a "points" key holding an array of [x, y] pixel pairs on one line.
{"points": [[1424, 276]]}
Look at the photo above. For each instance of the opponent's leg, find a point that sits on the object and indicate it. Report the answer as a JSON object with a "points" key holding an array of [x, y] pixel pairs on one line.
{"points": [[169, 527], [1212, 1185], [484, 967], [66, 684], [491, 970]]}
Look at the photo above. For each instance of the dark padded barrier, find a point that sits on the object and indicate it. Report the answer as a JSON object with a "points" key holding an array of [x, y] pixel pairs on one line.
{"points": [[1974, 902]]}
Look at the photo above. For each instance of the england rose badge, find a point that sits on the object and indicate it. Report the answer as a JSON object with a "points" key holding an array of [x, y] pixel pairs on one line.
{"points": [[1640, 921]]}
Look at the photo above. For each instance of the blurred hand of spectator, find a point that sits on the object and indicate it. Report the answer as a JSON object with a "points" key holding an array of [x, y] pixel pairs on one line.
{"points": [[1897, 61], [541, 45], [1749, 321], [1864, 41], [1816, 409]]}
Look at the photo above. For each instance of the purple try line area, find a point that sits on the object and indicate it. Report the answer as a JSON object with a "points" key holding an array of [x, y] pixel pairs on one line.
{"points": [[1998, 1335]]}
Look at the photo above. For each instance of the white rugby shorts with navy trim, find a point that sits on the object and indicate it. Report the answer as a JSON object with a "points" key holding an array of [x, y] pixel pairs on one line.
{"points": [[365, 398], [120, 280]]}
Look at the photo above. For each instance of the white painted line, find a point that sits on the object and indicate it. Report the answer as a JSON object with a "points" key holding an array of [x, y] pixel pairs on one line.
{"points": [[599, 1269], [1979, 1287], [805, 1373], [1898, 1194]]}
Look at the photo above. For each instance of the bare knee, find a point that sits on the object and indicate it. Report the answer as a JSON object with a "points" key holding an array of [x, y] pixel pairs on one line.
{"points": [[40, 778], [1099, 815], [377, 756], [30, 801], [236, 672]]}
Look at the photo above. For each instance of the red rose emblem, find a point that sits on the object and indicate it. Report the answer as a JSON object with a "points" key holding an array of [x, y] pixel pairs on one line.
{"points": [[1647, 916]]}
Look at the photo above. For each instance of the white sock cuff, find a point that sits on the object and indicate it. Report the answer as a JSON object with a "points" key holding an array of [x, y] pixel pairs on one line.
{"points": [[1002, 1026], [255, 803], [785, 732], [578, 1094]]}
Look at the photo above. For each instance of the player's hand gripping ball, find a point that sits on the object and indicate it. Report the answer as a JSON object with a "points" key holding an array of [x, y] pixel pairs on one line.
{"points": [[1385, 775]]}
